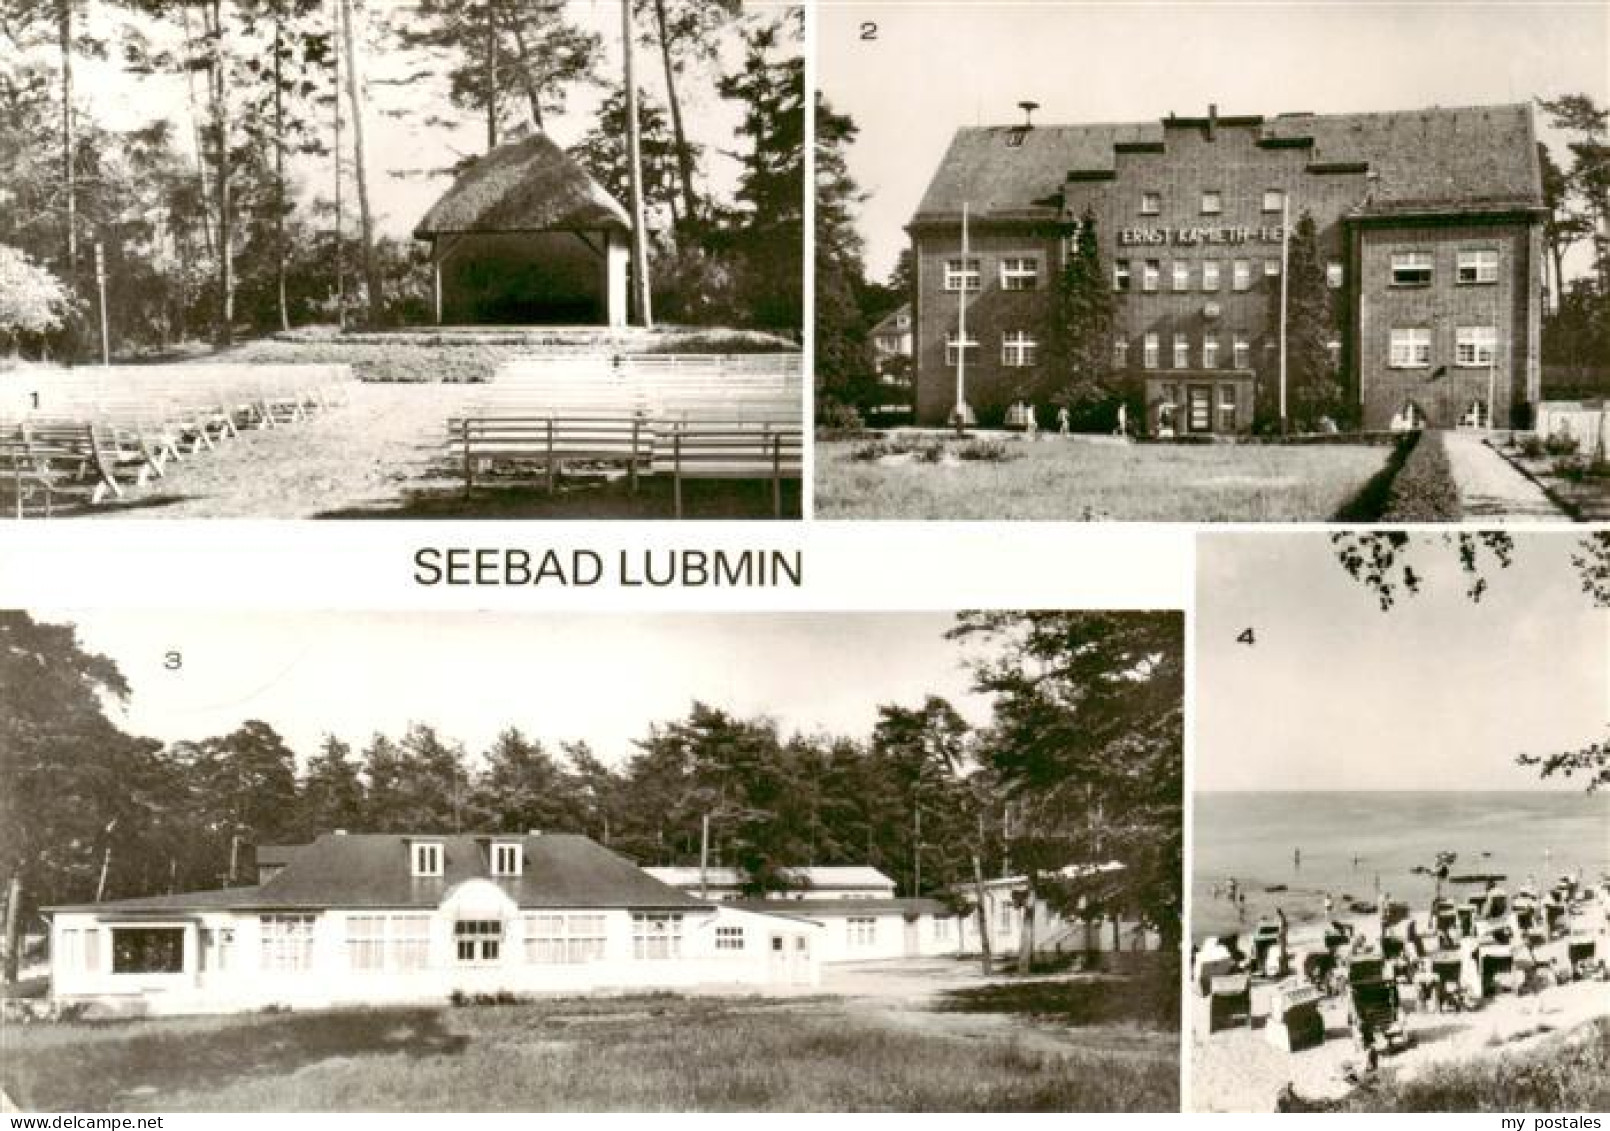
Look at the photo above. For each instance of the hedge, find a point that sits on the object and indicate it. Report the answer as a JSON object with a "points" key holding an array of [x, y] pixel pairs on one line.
{"points": [[1423, 489]]}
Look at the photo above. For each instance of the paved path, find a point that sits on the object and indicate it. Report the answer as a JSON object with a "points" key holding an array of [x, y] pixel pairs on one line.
{"points": [[1490, 489]]}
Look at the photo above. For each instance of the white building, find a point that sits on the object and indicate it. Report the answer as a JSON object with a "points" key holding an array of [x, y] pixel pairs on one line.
{"points": [[376, 918]]}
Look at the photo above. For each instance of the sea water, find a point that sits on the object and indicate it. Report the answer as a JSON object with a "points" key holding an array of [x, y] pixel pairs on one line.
{"points": [[1357, 845]]}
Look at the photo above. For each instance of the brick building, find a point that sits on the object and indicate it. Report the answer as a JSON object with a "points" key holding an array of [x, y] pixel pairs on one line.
{"points": [[1429, 224]]}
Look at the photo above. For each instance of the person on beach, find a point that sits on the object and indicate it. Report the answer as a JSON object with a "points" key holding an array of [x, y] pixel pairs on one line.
{"points": [[1062, 420], [1297, 859], [1232, 888], [1330, 905]]}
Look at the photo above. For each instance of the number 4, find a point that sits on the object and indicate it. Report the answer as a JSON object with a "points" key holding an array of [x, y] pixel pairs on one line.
{"points": [[1246, 637]]}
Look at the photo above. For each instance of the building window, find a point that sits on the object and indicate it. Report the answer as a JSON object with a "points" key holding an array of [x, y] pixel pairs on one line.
{"points": [[1149, 274], [954, 345], [1241, 275], [1274, 200], [1212, 202], [1151, 203], [81, 950], [1120, 275], [862, 932], [1210, 351], [1120, 353], [427, 858], [567, 939], [147, 950], [506, 859], [1411, 268], [1020, 273], [729, 938], [1226, 408], [941, 928], [366, 942], [1004, 919], [287, 942], [960, 273], [656, 935], [1240, 351], [478, 940], [409, 941], [1018, 349], [1271, 268], [1478, 265], [1333, 346], [1149, 351], [1475, 345], [1210, 274], [1182, 351], [1411, 348], [1182, 275], [1333, 274]]}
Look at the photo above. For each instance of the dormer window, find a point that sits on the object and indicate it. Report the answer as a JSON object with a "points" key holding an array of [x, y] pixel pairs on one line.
{"points": [[427, 856], [506, 858]]}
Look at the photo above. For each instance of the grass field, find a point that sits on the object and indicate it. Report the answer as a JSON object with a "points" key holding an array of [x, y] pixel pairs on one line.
{"points": [[1087, 480], [657, 1052]]}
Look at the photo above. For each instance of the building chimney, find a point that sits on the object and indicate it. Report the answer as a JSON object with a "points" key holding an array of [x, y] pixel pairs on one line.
{"points": [[1213, 119], [1028, 109]]}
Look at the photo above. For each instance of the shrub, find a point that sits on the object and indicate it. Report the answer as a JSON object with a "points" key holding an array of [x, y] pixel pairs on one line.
{"points": [[836, 420], [1423, 489], [1578, 469], [1531, 446], [988, 451], [1560, 444]]}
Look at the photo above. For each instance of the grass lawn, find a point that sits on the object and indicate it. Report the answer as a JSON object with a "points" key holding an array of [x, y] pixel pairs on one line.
{"points": [[1087, 480], [656, 1052]]}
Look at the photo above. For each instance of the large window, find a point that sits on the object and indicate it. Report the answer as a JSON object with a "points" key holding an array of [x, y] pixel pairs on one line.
{"points": [[217, 949], [657, 935], [954, 345], [1182, 351], [1475, 345], [1210, 351], [1226, 408], [1240, 351], [1018, 349], [366, 942], [478, 940], [1212, 202], [1411, 348], [507, 858], [862, 932], [1241, 275], [148, 950], [1120, 275], [1274, 200], [409, 941], [1020, 273], [1120, 353], [1210, 274], [1478, 265], [1150, 348], [1334, 274], [570, 939], [287, 942], [961, 273], [729, 938], [80, 950], [1271, 268], [1182, 275], [1411, 268], [1151, 203], [1149, 274]]}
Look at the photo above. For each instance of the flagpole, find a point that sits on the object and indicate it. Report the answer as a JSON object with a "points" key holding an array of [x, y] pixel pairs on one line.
{"points": [[1285, 257], [961, 335]]}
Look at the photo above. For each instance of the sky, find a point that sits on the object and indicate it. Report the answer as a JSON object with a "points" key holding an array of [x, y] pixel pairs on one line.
{"points": [[599, 677], [400, 147], [934, 67], [1438, 693]]}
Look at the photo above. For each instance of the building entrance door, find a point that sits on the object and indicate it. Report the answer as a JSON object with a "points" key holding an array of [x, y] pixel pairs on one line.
{"points": [[790, 960], [1199, 408]]}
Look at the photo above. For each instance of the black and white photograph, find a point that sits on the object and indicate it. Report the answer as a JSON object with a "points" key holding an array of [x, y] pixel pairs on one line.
{"points": [[796, 862], [401, 258], [1400, 882], [1213, 261]]}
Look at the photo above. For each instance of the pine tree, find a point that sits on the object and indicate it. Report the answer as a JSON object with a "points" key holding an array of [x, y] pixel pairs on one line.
{"points": [[1075, 361], [1314, 385], [844, 365]]}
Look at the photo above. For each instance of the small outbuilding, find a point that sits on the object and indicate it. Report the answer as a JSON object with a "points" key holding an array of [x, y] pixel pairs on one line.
{"points": [[526, 236]]}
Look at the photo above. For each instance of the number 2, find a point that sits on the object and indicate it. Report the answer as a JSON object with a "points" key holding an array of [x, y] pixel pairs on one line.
{"points": [[869, 30]]}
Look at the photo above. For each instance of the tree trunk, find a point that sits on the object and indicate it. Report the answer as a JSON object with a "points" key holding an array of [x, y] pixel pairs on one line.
{"points": [[64, 13], [1025, 942], [219, 92], [371, 273], [533, 96], [983, 916], [491, 75], [208, 220], [684, 154], [279, 170], [13, 958], [340, 213], [634, 157]]}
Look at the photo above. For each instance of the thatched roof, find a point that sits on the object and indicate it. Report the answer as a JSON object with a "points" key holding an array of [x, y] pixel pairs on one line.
{"points": [[530, 185]]}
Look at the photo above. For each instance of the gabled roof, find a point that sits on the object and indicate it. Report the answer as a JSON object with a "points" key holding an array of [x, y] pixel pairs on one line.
{"points": [[277, 854], [374, 870], [1435, 159], [528, 185], [890, 322]]}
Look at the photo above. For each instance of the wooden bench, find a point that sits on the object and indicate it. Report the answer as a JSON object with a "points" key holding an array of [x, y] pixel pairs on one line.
{"points": [[552, 440], [54, 459], [718, 448]]}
